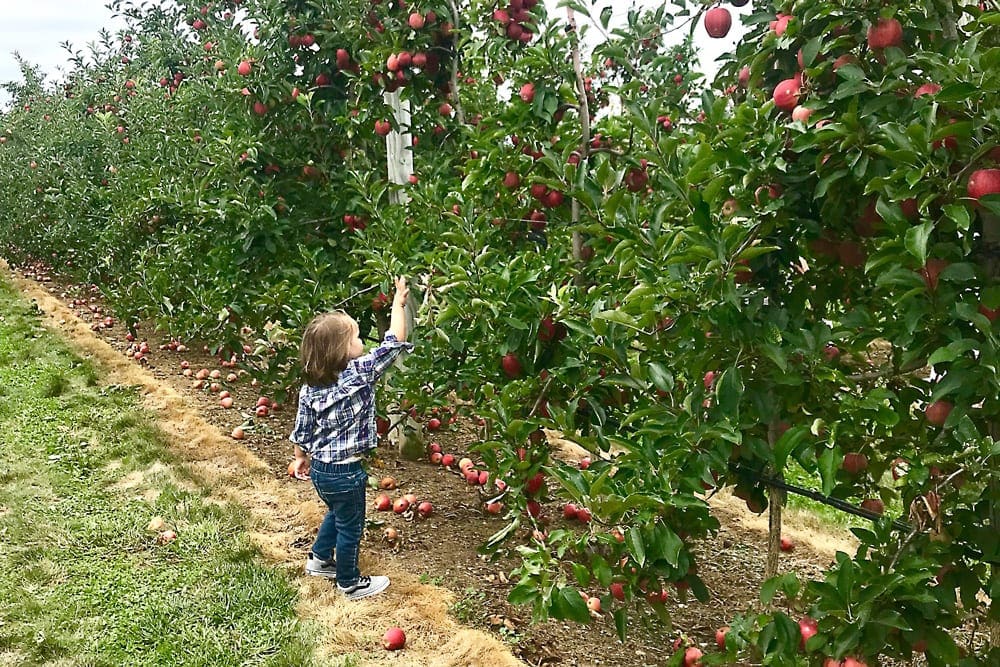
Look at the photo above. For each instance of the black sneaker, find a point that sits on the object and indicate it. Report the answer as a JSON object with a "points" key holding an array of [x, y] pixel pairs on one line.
{"points": [[321, 568], [366, 587]]}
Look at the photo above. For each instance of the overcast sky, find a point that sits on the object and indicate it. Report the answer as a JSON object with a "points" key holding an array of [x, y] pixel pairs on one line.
{"points": [[35, 28]]}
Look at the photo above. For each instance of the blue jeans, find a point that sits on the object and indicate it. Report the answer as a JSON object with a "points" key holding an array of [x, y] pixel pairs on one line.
{"points": [[342, 487]]}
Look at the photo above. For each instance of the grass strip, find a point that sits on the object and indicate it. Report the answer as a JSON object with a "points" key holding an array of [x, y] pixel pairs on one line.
{"points": [[83, 579]]}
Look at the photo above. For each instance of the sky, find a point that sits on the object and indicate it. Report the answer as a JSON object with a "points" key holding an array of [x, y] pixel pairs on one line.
{"points": [[35, 28]]}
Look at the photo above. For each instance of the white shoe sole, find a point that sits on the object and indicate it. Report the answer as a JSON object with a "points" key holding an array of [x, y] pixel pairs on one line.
{"points": [[330, 576], [366, 593]]}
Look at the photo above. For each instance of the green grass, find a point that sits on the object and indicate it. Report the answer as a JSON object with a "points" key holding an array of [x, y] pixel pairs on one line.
{"points": [[82, 580]]}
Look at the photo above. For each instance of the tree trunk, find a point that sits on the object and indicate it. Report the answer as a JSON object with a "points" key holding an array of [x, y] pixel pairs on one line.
{"points": [[776, 499], [584, 109], [989, 261]]}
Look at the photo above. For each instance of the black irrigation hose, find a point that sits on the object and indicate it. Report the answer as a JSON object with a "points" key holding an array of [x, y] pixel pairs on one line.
{"points": [[841, 505]]}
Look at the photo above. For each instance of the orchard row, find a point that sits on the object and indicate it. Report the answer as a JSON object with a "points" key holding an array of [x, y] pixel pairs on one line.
{"points": [[789, 268]]}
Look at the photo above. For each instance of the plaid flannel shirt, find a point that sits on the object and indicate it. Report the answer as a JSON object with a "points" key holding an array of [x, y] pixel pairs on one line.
{"points": [[337, 422]]}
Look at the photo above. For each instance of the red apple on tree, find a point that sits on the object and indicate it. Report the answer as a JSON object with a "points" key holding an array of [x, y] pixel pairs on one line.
{"points": [[873, 505], [937, 412], [884, 34], [854, 463], [511, 365], [527, 93], [786, 94], [808, 627], [801, 113], [927, 89], [718, 21], [984, 182], [780, 24]]}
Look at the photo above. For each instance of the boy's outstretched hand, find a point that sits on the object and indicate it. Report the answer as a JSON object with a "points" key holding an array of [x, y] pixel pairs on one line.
{"points": [[402, 291]]}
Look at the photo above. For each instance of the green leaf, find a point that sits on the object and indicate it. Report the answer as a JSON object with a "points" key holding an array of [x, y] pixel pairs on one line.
{"points": [[730, 391], [810, 50], [829, 463], [621, 621], [957, 92], [524, 592], [959, 214], [916, 238], [788, 583], [635, 545], [569, 604], [850, 72], [661, 377]]}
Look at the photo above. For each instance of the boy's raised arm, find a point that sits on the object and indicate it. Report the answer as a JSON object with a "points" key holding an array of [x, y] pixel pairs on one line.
{"points": [[397, 320]]}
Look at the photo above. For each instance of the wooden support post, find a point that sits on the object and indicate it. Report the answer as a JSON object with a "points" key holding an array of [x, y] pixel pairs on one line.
{"points": [[399, 147]]}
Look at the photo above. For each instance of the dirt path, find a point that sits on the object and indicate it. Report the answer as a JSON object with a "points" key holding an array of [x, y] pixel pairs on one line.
{"points": [[282, 518]]}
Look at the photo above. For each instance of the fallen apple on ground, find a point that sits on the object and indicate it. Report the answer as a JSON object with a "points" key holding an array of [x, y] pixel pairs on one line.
{"points": [[394, 639]]}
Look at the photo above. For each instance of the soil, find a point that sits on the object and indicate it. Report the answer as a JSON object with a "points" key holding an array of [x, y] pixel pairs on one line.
{"points": [[442, 549]]}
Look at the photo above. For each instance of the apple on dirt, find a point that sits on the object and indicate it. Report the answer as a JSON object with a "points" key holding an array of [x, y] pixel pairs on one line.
{"points": [[693, 656], [394, 639], [400, 505], [787, 544], [387, 483], [720, 637], [383, 503]]}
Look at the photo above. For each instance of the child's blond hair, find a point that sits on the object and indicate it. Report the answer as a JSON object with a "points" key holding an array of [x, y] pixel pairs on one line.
{"points": [[326, 346]]}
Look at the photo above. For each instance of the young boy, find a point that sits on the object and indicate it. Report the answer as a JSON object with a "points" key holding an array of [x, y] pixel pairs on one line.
{"points": [[334, 427]]}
